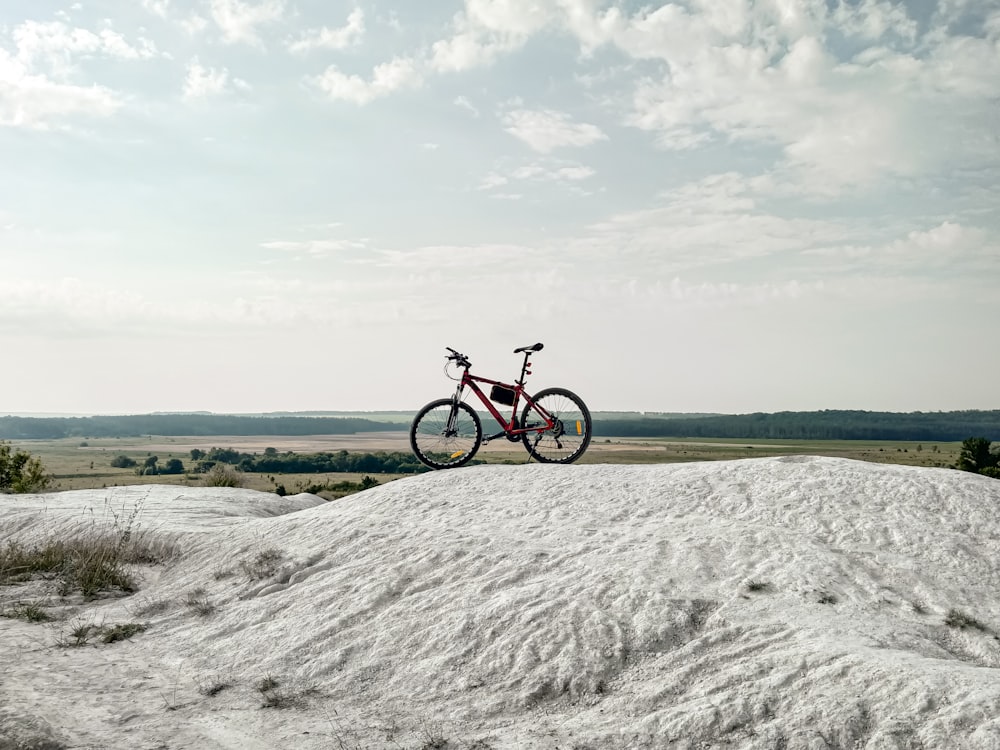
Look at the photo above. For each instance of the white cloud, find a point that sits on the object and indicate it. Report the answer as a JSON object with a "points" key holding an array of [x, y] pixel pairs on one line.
{"points": [[68, 303], [39, 81], [57, 45], [574, 173], [551, 173], [468, 50], [546, 130], [461, 101], [194, 24], [239, 21], [202, 82], [947, 245], [487, 29], [767, 74], [873, 20], [34, 101], [492, 180], [522, 17], [314, 248], [325, 38], [547, 171], [157, 7], [386, 78], [704, 224]]}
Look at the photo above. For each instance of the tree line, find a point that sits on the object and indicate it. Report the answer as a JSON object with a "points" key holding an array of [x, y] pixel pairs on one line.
{"points": [[273, 462], [53, 428], [813, 425]]}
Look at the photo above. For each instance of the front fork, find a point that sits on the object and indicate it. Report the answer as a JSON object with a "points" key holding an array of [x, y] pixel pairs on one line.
{"points": [[449, 429]]}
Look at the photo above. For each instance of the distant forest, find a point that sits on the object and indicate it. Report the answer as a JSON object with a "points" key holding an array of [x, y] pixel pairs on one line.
{"points": [[51, 428], [813, 425], [789, 425]]}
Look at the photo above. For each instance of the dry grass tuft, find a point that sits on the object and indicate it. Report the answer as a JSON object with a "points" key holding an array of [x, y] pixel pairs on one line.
{"points": [[90, 562], [960, 620], [30, 611], [198, 602], [262, 565], [122, 632]]}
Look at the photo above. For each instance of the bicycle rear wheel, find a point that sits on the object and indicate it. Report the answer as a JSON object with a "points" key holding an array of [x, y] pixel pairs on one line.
{"points": [[446, 434], [571, 434]]}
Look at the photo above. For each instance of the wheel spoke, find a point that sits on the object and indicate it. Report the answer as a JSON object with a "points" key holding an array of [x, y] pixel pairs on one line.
{"points": [[441, 439], [570, 436]]}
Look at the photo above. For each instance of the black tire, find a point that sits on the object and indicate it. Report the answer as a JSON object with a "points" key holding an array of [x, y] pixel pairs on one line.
{"points": [[439, 450], [573, 427]]}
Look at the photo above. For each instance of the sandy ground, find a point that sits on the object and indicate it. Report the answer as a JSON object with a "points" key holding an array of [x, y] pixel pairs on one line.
{"points": [[795, 602]]}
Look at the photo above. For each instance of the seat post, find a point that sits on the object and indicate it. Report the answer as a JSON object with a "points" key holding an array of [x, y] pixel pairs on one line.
{"points": [[524, 368]]}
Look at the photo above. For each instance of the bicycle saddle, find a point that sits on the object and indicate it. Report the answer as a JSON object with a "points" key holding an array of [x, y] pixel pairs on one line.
{"points": [[532, 348]]}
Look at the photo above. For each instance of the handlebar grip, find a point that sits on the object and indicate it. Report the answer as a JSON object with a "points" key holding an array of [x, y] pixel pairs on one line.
{"points": [[460, 358]]}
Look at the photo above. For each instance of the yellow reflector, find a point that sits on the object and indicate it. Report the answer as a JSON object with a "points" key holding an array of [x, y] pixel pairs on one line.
{"points": [[456, 454], [579, 428]]}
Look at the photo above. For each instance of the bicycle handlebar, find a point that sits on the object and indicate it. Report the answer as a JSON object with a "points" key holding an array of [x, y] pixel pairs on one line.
{"points": [[458, 357]]}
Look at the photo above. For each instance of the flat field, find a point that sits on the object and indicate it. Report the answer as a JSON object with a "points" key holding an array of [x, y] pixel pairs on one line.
{"points": [[86, 464]]}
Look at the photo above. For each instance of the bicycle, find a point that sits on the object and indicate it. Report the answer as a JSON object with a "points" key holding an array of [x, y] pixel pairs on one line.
{"points": [[555, 425]]}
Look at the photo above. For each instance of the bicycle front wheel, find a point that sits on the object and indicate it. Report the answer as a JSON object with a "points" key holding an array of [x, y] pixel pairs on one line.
{"points": [[446, 434], [570, 436]]}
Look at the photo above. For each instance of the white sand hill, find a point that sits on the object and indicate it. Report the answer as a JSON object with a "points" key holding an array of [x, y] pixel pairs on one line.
{"points": [[769, 603]]}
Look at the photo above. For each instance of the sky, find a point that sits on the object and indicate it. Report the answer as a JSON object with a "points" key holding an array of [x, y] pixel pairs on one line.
{"points": [[704, 206]]}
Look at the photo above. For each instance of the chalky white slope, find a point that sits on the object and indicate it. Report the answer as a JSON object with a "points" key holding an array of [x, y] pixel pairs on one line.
{"points": [[772, 603]]}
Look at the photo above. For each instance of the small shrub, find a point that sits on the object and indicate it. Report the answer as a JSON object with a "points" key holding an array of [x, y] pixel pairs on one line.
{"points": [[122, 462], [222, 475], [21, 472], [756, 586], [960, 620], [825, 597], [121, 632]]}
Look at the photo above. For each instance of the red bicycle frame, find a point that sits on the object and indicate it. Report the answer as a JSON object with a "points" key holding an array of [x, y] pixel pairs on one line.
{"points": [[510, 428]]}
